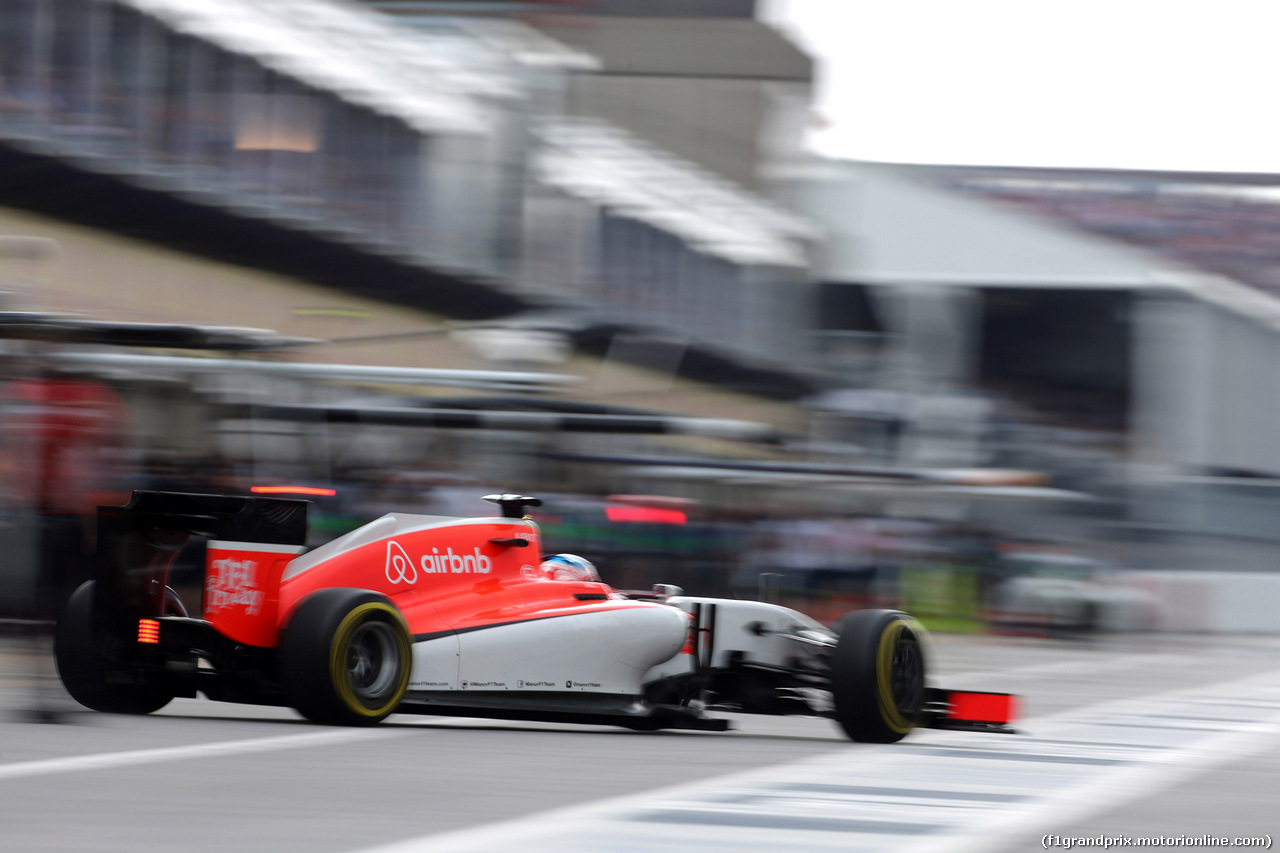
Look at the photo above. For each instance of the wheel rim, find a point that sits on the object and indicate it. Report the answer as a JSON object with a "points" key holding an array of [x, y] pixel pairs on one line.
{"points": [[899, 676], [373, 662], [907, 676]]}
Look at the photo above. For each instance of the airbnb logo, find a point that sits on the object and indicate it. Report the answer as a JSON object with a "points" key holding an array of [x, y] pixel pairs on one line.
{"points": [[399, 567], [402, 569], [474, 563]]}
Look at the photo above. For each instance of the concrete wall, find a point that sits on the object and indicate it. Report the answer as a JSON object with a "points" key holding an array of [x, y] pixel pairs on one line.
{"points": [[1208, 391], [1210, 602]]}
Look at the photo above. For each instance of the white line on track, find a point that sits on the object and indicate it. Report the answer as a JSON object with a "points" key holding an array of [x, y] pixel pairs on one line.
{"points": [[506, 835], [1069, 768], [221, 749], [1068, 667], [1116, 789]]}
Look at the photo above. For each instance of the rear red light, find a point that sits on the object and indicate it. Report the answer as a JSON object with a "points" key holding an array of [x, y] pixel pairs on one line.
{"points": [[982, 707], [148, 631], [292, 490], [645, 514]]}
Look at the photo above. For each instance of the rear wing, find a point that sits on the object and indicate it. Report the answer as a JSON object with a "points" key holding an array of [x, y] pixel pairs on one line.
{"points": [[140, 544]]}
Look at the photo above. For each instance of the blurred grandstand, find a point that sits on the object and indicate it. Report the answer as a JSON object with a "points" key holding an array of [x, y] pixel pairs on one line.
{"points": [[1222, 223]]}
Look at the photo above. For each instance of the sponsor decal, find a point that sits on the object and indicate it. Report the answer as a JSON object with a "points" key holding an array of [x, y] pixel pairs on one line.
{"points": [[473, 563], [400, 568], [532, 573], [233, 582]]}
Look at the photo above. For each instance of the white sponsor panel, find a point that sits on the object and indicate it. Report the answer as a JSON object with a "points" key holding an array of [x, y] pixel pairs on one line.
{"points": [[435, 664], [562, 653]]}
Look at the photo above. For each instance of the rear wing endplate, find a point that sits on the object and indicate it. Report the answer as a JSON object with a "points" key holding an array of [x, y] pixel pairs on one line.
{"points": [[139, 543]]}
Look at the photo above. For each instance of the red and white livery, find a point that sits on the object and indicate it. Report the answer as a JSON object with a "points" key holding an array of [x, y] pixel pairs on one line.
{"points": [[459, 616]]}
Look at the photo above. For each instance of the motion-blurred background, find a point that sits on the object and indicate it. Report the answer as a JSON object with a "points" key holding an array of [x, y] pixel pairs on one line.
{"points": [[404, 253]]}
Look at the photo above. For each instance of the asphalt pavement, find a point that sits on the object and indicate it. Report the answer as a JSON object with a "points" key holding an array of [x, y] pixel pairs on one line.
{"points": [[1124, 737]]}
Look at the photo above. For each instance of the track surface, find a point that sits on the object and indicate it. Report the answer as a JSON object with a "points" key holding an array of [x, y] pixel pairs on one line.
{"points": [[1134, 736]]}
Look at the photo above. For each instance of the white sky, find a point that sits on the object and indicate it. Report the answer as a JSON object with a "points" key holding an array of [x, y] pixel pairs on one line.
{"points": [[1154, 84]]}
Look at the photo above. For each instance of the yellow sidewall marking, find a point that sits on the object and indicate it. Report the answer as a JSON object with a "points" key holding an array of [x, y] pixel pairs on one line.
{"points": [[889, 639], [338, 659]]}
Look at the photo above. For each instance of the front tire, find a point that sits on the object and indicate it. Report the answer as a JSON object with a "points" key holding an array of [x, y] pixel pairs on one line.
{"points": [[82, 648], [878, 675], [346, 657]]}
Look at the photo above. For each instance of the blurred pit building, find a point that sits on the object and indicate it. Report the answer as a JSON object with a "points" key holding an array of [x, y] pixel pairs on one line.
{"points": [[303, 226], [407, 193]]}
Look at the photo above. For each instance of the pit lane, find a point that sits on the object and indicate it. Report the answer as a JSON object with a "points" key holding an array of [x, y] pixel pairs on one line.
{"points": [[1138, 730]]}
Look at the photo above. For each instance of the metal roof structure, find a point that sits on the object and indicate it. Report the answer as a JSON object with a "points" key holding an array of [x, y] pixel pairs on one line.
{"points": [[594, 160], [433, 80], [492, 380]]}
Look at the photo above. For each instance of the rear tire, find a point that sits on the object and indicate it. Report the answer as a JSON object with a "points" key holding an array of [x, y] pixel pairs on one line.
{"points": [[878, 675], [345, 658], [81, 648]]}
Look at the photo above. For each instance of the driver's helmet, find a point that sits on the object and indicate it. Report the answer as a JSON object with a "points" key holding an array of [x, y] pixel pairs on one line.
{"points": [[569, 567]]}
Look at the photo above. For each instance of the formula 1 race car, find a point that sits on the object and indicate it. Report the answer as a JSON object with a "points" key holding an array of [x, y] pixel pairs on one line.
{"points": [[457, 616]]}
